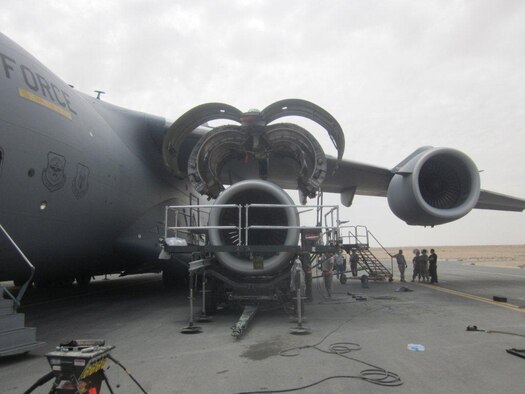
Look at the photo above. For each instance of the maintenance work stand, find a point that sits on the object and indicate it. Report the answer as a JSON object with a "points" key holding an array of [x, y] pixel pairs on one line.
{"points": [[186, 237]]}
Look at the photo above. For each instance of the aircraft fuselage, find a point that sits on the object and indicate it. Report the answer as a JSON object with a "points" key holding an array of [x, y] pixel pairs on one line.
{"points": [[80, 179]]}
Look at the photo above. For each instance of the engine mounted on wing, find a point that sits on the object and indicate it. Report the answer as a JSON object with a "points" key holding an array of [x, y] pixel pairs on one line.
{"points": [[434, 186], [255, 141]]}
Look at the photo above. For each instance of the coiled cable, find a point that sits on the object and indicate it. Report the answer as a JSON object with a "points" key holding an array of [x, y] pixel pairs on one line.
{"points": [[374, 374]]}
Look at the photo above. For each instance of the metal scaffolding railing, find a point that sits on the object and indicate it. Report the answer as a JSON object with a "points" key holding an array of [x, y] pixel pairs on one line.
{"points": [[176, 226]]}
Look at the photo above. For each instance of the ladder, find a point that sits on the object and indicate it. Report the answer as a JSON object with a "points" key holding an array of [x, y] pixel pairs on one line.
{"points": [[369, 263], [358, 240]]}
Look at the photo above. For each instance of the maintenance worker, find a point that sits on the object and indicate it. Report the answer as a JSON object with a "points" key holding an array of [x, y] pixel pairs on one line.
{"points": [[339, 262], [328, 266], [432, 266], [401, 264], [415, 264], [354, 259], [423, 266]]}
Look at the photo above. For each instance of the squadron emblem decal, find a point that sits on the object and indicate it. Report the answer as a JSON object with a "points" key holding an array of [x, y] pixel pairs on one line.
{"points": [[54, 176], [80, 182]]}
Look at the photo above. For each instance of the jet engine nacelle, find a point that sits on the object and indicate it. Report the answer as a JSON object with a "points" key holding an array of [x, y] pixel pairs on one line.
{"points": [[434, 186], [254, 192]]}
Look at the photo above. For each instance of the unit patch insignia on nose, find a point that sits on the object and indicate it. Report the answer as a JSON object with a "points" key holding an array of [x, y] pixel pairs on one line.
{"points": [[54, 176]]}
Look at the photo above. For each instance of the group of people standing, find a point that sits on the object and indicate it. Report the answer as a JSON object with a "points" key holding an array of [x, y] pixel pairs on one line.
{"points": [[424, 265]]}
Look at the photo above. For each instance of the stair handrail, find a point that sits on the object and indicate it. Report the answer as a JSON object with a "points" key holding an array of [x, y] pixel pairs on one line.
{"points": [[387, 252], [367, 244], [18, 299]]}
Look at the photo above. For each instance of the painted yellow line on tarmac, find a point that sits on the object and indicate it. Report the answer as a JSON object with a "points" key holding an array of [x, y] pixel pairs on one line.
{"points": [[512, 307]]}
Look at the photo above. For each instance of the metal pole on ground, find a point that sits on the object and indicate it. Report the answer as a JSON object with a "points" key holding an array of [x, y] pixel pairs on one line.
{"points": [[190, 328], [204, 318], [299, 329]]}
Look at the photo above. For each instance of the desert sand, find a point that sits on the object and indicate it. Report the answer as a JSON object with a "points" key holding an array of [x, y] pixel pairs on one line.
{"points": [[483, 255]]}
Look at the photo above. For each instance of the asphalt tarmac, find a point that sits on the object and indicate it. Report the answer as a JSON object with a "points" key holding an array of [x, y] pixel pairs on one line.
{"points": [[143, 320]]}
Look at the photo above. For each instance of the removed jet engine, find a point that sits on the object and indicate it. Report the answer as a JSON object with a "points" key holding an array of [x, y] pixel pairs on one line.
{"points": [[255, 192]]}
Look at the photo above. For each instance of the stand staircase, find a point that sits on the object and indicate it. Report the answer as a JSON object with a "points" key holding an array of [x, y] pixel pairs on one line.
{"points": [[15, 338], [357, 240], [373, 267]]}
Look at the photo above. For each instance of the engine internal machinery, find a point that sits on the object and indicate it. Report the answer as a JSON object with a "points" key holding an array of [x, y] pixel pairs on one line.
{"points": [[254, 192], [253, 140], [434, 186]]}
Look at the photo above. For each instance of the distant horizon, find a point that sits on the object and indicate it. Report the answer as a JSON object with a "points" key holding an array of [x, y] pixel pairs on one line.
{"points": [[444, 246]]}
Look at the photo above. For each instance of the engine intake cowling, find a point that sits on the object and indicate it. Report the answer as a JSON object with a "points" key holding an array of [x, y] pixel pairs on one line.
{"points": [[254, 192], [434, 186]]}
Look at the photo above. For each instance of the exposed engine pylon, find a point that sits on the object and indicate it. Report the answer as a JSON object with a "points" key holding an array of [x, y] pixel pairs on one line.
{"points": [[434, 186], [252, 140], [255, 192]]}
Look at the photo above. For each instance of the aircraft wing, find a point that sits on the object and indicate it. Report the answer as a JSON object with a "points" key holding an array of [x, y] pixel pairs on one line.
{"points": [[431, 186], [363, 179], [500, 202], [352, 178], [368, 180]]}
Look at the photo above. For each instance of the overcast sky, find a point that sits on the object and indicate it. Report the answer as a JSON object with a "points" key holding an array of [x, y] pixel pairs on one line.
{"points": [[396, 75]]}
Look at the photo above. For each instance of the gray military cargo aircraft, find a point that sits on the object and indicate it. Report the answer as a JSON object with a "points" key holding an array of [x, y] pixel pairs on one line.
{"points": [[84, 184]]}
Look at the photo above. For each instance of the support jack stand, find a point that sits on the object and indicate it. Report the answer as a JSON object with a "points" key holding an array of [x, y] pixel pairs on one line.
{"points": [[299, 329], [190, 328], [204, 318]]}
